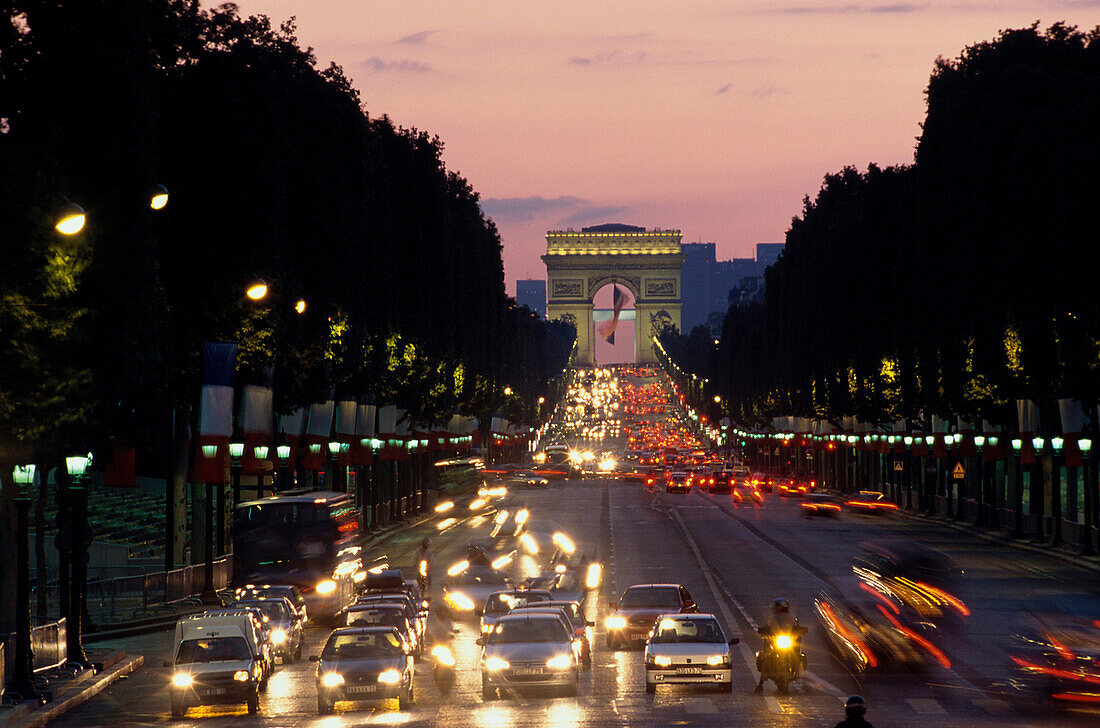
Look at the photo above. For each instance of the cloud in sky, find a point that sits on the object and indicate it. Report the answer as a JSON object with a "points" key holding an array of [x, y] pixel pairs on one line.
{"points": [[375, 64], [725, 89], [417, 38], [594, 214], [520, 209], [607, 58], [764, 92], [885, 9]]}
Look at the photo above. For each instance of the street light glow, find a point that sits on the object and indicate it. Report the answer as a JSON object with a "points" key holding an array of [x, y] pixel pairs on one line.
{"points": [[257, 291], [70, 219], [300, 306], [158, 198]]}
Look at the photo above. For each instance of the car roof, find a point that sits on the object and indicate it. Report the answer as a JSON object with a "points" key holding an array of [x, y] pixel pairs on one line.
{"points": [[527, 614], [678, 615], [646, 586], [362, 630]]}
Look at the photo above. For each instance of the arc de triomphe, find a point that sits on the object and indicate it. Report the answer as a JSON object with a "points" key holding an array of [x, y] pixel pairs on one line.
{"points": [[646, 262]]}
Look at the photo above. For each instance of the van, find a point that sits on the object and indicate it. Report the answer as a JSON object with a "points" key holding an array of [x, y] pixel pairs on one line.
{"points": [[215, 660]]}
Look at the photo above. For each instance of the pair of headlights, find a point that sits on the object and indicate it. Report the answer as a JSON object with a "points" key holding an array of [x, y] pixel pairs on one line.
{"points": [[335, 679], [558, 662], [712, 661], [185, 680]]}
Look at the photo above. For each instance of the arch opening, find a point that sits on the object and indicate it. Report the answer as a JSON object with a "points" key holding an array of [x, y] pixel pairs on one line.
{"points": [[614, 324]]}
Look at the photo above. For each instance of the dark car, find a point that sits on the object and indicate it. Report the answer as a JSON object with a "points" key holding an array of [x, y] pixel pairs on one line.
{"points": [[287, 633], [723, 482], [269, 591], [820, 504], [364, 663], [763, 481], [678, 482], [639, 607], [870, 502], [582, 627]]}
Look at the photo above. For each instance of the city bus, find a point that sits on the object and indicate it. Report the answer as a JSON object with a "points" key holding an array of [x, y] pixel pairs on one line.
{"points": [[306, 538]]}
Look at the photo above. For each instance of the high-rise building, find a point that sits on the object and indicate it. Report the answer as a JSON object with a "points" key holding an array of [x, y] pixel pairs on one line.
{"points": [[696, 284], [531, 293], [708, 282], [768, 253]]}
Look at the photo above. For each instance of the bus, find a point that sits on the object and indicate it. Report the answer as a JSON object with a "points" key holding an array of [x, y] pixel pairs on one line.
{"points": [[309, 539]]}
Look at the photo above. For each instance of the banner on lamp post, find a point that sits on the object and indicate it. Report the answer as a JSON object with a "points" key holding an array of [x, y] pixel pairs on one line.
{"points": [[211, 461]]}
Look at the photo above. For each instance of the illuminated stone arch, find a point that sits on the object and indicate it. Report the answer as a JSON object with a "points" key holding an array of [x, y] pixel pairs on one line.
{"points": [[645, 262]]}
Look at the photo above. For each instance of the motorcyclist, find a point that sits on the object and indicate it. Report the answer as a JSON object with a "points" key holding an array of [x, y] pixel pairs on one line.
{"points": [[424, 564], [854, 710], [779, 621]]}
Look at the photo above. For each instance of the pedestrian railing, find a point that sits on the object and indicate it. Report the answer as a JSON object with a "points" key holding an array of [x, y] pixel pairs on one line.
{"points": [[49, 645]]}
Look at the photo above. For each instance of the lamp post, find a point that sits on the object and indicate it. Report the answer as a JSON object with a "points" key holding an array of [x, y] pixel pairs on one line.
{"points": [[334, 452], [23, 679], [236, 452], [1056, 444], [981, 520], [1088, 481], [282, 458], [80, 537], [1038, 489], [1018, 497]]}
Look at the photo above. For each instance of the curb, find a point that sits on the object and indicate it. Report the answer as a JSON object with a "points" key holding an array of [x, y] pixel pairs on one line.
{"points": [[40, 717], [1092, 564]]}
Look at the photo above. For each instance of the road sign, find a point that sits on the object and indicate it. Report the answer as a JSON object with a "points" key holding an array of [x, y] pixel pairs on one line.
{"points": [[898, 466], [959, 472]]}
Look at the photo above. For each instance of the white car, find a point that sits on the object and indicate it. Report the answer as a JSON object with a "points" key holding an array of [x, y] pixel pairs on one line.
{"points": [[688, 648], [528, 651]]}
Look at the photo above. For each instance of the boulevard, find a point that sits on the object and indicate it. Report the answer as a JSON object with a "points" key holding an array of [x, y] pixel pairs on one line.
{"points": [[734, 560]]}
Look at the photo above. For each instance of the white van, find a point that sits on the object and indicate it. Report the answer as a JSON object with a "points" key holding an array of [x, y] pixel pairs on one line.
{"points": [[215, 660]]}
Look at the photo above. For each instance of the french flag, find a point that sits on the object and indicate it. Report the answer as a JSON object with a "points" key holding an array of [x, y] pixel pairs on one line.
{"points": [[211, 461]]}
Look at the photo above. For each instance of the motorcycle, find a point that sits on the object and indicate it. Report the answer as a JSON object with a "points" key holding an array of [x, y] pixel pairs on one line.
{"points": [[782, 660], [443, 668]]}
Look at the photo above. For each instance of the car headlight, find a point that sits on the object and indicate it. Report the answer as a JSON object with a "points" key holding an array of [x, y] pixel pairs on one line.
{"points": [[460, 601], [715, 660], [783, 642], [278, 636], [662, 660], [332, 679], [443, 655], [559, 662], [495, 664], [182, 680], [615, 622], [328, 586], [389, 677], [241, 676]]}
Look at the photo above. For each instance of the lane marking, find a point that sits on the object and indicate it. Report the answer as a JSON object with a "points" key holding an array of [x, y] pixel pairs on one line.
{"points": [[926, 706], [773, 704]]}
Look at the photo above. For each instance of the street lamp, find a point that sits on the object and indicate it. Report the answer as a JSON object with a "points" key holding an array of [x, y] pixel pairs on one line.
{"points": [[80, 537], [236, 452], [282, 455], [23, 679], [158, 197], [70, 219], [257, 291]]}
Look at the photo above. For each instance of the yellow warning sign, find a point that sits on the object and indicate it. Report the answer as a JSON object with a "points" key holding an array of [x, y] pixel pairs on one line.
{"points": [[959, 472]]}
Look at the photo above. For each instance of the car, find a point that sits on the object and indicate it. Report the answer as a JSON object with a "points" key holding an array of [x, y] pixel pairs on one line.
{"points": [[268, 591], [581, 626], [263, 636], [364, 663], [216, 659], [467, 591], [528, 651], [723, 482], [287, 633], [409, 607], [384, 614], [678, 482], [763, 481], [501, 602], [528, 479], [746, 492], [821, 504], [870, 502], [688, 648], [634, 614]]}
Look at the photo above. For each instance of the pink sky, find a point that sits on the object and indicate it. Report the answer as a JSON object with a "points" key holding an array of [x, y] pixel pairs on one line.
{"points": [[715, 118]]}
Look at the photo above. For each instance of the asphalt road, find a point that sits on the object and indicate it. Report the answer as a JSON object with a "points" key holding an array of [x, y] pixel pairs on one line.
{"points": [[735, 561]]}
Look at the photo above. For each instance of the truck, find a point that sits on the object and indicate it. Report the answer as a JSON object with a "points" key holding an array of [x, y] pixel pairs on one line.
{"points": [[215, 660]]}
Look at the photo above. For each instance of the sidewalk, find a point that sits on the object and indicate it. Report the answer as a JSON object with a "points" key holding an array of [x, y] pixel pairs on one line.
{"points": [[68, 692]]}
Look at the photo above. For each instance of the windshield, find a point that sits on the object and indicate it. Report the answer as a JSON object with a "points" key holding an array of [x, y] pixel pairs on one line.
{"points": [[386, 617], [368, 644], [656, 597], [528, 630], [500, 603], [273, 610], [216, 649], [687, 630]]}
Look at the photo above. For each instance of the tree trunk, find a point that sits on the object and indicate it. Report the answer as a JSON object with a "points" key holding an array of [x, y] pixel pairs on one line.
{"points": [[175, 498]]}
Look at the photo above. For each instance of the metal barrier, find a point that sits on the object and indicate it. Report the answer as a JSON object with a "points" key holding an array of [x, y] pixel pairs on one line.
{"points": [[127, 597], [3, 669], [49, 645]]}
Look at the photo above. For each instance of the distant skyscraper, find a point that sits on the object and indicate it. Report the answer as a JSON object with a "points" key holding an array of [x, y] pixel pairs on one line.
{"points": [[767, 253], [532, 294], [707, 282], [696, 284]]}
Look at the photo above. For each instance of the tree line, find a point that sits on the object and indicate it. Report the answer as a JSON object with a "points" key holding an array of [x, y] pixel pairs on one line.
{"points": [[952, 286]]}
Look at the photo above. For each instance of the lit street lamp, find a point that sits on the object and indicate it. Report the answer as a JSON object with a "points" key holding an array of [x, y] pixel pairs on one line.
{"points": [[80, 538], [23, 679]]}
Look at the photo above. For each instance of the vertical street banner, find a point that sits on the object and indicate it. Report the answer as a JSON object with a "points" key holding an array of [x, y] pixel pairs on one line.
{"points": [[254, 421], [318, 431], [211, 461], [361, 451], [606, 329]]}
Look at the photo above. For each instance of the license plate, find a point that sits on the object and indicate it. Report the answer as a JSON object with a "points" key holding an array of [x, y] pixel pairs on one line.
{"points": [[210, 692], [689, 670], [359, 689], [527, 671], [639, 636]]}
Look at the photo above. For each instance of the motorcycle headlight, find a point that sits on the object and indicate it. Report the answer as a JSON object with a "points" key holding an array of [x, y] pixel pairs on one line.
{"points": [[662, 660], [332, 679], [182, 680], [278, 636], [495, 664], [241, 676], [783, 642], [328, 586], [716, 660], [389, 677], [460, 601], [616, 622], [559, 662]]}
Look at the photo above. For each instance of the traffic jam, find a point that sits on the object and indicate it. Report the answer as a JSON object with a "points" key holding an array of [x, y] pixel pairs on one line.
{"points": [[514, 605]]}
